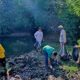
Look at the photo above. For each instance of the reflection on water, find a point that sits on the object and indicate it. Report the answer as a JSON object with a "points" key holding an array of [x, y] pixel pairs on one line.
{"points": [[17, 45]]}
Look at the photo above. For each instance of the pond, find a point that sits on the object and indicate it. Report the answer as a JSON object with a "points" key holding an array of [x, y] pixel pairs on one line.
{"points": [[17, 45]]}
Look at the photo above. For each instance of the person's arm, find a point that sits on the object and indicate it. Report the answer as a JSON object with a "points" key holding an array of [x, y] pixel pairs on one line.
{"points": [[49, 63], [42, 35], [35, 34]]}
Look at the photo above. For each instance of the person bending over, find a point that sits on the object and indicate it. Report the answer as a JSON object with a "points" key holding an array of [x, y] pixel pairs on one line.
{"points": [[48, 52]]}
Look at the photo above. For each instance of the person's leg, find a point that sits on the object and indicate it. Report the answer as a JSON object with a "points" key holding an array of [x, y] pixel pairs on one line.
{"points": [[60, 52], [36, 45], [46, 59], [3, 63], [39, 46], [62, 49]]}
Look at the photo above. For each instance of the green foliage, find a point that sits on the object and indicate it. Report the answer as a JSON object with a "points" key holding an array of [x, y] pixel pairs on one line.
{"points": [[78, 41], [68, 19], [74, 6], [24, 15], [70, 68]]}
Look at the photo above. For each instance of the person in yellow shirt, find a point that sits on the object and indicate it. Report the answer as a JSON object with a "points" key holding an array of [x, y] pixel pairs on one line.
{"points": [[2, 58], [2, 55]]}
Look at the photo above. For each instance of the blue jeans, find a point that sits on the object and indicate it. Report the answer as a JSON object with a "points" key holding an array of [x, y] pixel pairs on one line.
{"points": [[46, 58], [37, 45]]}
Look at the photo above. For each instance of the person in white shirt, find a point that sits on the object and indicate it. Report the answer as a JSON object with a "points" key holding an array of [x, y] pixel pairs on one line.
{"points": [[38, 35], [62, 40]]}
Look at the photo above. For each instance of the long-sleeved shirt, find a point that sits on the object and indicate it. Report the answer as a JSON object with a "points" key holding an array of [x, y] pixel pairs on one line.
{"points": [[38, 35], [62, 36]]}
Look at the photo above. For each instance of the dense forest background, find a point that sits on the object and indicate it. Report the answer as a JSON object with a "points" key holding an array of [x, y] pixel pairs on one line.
{"points": [[24, 16]]}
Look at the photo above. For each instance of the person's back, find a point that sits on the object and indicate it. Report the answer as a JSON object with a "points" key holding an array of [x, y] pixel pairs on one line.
{"points": [[49, 50], [2, 52]]}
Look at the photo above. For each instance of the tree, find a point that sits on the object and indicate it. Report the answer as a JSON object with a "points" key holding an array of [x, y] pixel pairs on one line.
{"points": [[74, 6], [25, 15], [68, 20]]}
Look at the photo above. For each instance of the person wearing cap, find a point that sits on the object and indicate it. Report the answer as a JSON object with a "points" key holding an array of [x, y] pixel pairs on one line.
{"points": [[48, 52], [62, 40], [38, 35]]}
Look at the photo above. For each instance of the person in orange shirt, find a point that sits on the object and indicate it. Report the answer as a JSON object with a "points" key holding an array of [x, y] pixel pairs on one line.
{"points": [[2, 58]]}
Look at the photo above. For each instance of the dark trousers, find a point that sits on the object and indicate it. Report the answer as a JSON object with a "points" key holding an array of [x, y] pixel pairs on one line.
{"points": [[3, 64], [75, 54], [46, 59]]}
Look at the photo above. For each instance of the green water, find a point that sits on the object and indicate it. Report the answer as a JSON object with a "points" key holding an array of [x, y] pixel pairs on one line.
{"points": [[17, 45]]}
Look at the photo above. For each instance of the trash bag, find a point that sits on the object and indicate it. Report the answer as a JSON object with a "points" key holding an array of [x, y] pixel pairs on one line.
{"points": [[75, 54]]}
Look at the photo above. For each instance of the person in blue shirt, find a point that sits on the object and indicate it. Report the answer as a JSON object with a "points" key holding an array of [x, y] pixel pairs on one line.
{"points": [[48, 53]]}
